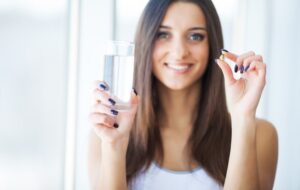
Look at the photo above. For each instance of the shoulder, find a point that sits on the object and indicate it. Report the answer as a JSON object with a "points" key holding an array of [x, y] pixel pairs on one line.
{"points": [[267, 152], [266, 132], [266, 136], [265, 127], [266, 139]]}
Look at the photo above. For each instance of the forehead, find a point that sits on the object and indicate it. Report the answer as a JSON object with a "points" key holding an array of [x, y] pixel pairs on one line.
{"points": [[184, 15]]}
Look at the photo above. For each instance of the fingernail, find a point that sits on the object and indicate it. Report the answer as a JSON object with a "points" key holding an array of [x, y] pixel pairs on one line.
{"points": [[112, 101], [246, 69], [236, 68], [116, 125], [115, 112], [134, 91], [242, 69], [224, 50], [102, 86]]}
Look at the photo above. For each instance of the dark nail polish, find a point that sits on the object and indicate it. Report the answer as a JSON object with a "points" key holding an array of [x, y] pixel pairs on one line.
{"points": [[116, 125], [236, 68], [102, 86], [134, 91], [115, 112], [246, 69], [242, 69], [112, 101], [224, 50]]}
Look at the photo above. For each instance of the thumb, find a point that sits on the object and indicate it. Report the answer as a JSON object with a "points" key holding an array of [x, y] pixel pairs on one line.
{"points": [[127, 118], [134, 97], [227, 72], [134, 100]]}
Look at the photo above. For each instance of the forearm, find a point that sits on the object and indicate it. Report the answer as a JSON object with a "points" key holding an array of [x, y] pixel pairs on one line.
{"points": [[242, 172], [113, 166]]}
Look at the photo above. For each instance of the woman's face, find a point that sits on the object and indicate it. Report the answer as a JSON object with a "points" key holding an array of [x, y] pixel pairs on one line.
{"points": [[181, 48]]}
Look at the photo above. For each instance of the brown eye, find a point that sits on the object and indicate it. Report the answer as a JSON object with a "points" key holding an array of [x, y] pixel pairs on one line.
{"points": [[197, 37]]}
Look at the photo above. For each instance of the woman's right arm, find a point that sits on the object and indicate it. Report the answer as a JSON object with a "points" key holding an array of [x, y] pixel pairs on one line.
{"points": [[106, 164], [108, 142]]}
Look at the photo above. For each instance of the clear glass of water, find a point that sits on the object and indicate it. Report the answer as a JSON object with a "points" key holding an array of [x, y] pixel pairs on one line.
{"points": [[119, 71]]}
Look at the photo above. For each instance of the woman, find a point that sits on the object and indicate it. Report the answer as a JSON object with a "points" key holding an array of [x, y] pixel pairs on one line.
{"points": [[192, 125]]}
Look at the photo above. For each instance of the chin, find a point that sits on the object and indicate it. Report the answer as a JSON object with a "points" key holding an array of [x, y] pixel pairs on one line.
{"points": [[175, 85]]}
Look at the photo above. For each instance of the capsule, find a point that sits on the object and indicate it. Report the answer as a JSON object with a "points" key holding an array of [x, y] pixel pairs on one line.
{"points": [[222, 57]]}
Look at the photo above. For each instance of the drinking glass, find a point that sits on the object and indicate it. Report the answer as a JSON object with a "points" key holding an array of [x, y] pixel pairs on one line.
{"points": [[119, 71]]}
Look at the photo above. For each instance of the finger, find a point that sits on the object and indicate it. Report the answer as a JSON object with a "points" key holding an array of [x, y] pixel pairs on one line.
{"points": [[134, 101], [104, 97], [258, 66], [247, 61], [125, 119], [101, 119], [101, 85], [229, 55], [134, 97], [100, 128], [103, 109], [242, 57], [227, 72]]}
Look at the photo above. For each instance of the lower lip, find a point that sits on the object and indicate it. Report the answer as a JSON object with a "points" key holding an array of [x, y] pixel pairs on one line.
{"points": [[183, 71]]}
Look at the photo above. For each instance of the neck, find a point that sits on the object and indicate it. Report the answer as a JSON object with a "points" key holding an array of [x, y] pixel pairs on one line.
{"points": [[178, 106]]}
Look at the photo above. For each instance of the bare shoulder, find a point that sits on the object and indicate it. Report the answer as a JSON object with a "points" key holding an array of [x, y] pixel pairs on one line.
{"points": [[266, 127], [267, 152], [266, 134], [266, 137]]}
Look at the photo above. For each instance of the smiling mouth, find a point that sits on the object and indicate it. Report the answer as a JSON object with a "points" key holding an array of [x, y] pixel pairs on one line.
{"points": [[179, 68]]}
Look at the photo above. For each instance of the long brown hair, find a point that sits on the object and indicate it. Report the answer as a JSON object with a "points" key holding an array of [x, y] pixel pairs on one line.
{"points": [[211, 134]]}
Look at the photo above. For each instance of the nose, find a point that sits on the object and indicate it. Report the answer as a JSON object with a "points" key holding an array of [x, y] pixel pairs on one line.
{"points": [[179, 49]]}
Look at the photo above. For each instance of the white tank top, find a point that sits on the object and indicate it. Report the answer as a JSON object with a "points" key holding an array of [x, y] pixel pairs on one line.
{"points": [[157, 178]]}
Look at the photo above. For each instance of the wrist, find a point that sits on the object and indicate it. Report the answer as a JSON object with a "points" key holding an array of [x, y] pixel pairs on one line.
{"points": [[243, 124], [242, 117], [117, 147]]}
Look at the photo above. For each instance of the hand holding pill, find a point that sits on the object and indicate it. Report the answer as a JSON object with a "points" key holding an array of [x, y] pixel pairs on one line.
{"points": [[243, 94]]}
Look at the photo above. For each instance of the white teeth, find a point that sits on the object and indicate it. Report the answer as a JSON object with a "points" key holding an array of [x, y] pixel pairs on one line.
{"points": [[179, 67]]}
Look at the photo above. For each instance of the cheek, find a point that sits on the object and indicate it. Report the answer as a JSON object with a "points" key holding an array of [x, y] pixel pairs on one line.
{"points": [[157, 55], [204, 56], [158, 52], [201, 54]]}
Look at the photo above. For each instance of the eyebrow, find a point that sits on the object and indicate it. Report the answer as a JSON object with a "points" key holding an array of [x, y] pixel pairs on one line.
{"points": [[193, 28]]}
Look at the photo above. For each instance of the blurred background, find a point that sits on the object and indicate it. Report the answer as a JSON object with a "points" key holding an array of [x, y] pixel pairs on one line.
{"points": [[51, 51]]}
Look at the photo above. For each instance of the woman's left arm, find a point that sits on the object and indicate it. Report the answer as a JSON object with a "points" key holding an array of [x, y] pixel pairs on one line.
{"points": [[253, 159]]}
